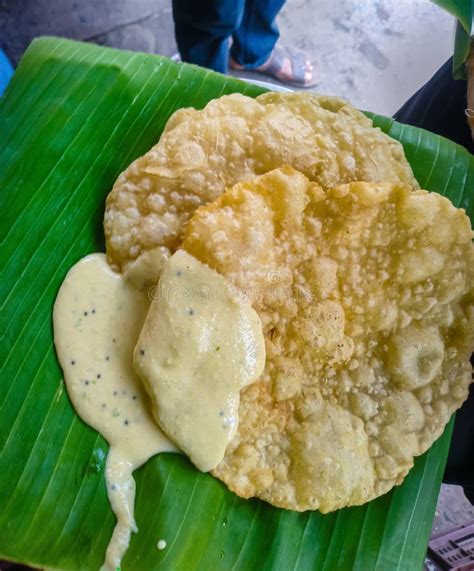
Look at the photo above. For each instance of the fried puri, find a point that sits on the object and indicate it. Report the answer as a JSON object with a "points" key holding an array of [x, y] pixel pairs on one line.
{"points": [[234, 138], [365, 292]]}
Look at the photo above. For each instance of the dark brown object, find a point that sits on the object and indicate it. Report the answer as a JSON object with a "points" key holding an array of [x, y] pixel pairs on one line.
{"points": [[9, 566], [454, 550]]}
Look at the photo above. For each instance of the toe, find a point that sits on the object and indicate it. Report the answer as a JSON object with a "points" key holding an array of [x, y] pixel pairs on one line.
{"points": [[308, 77]]}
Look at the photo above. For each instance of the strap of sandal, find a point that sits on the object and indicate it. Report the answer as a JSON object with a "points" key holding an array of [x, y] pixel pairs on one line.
{"points": [[277, 59], [298, 65], [297, 60]]}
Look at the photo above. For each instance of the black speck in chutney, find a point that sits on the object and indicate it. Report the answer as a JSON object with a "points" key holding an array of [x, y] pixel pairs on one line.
{"points": [[86, 382], [113, 340], [107, 358], [134, 397], [178, 273], [191, 311], [85, 313], [221, 413], [73, 362], [104, 405], [99, 375], [125, 422], [93, 311], [115, 393], [142, 351]]}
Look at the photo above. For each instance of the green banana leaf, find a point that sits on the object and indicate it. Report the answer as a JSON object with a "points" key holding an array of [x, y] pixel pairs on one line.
{"points": [[463, 11], [74, 116]]}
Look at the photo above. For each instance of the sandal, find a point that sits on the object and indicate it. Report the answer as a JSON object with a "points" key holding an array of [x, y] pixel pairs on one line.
{"points": [[301, 74]]}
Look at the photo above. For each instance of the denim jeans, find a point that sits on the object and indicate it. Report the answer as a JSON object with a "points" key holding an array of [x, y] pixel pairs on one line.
{"points": [[203, 29]]}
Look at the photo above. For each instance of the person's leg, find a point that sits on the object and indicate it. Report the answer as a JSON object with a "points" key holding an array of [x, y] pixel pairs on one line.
{"points": [[254, 46], [203, 30], [257, 34], [439, 106]]}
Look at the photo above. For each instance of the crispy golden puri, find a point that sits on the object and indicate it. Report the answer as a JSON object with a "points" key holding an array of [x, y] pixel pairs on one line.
{"points": [[365, 291], [233, 138]]}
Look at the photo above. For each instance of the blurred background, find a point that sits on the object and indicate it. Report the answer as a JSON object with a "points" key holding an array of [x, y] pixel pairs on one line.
{"points": [[376, 53]]}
